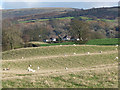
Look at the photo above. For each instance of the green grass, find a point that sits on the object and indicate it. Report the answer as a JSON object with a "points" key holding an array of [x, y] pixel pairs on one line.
{"points": [[107, 41], [82, 17], [107, 20], [85, 18], [65, 18]]}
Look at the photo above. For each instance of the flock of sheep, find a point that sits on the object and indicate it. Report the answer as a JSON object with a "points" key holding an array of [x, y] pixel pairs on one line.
{"points": [[31, 70]]}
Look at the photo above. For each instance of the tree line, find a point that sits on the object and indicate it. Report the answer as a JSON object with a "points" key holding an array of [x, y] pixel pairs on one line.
{"points": [[15, 35]]}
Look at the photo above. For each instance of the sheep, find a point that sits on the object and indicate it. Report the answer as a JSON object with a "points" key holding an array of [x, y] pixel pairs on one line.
{"points": [[116, 45], [74, 53], [60, 45], [74, 44], [116, 58], [38, 67], [100, 51], [66, 68], [5, 69], [22, 57], [30, 65], [30, 70], [65, 55], [8, 68], [88, 52]]}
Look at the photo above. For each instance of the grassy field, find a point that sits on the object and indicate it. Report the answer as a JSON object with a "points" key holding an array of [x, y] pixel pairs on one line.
{"points": [[36, 42], [52, 50], [107, 41], [82, 17], [94, 70]]}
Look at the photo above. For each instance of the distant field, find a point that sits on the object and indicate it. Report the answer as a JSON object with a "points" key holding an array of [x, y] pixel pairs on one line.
{"points": [[82, 17], [53, 44], [94, 70], [36, 42], [107, 41]]}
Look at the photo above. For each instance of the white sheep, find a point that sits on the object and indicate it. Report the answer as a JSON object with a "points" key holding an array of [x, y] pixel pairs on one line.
{"points": [[38, 67], [65, 55], [60, 45], [88, 52], [30, 70], [116, 45], [22, 57], [66, 68], [74, 44], [116, 58], [74, 53]]}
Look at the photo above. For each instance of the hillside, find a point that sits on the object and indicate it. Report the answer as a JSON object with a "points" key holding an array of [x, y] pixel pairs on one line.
{"points": [[94, 70], [32, 11], [104, 13]]}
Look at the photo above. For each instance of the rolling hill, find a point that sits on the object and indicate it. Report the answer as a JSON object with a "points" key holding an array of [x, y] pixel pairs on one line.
{"points": [[104, 13], [11, 13], [94, 70]]}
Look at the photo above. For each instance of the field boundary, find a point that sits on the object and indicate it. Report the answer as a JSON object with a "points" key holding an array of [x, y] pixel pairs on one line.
{"points": [[59, 46]]}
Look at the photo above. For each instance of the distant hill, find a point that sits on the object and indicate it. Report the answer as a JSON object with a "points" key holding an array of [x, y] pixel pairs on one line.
{"points": [[32, 11], [37, 13], [104, 13]]}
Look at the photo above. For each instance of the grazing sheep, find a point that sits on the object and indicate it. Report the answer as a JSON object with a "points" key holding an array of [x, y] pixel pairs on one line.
{"points": [[30, 70], [100, 51], [88, 52], [65, 55], [30, 65], [8, 68], [5, 69], [38, 67], [66, 68], [60, 45], [22, 57], [116, 58], [74, 53], [74, 44], [116, 45]]}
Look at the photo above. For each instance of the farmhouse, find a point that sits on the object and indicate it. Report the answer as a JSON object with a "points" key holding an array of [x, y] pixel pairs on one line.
{"points": [[66, 38]]}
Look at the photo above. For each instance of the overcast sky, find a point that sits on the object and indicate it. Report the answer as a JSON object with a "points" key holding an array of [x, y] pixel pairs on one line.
{"points": [[28, 1], [61, 0]]}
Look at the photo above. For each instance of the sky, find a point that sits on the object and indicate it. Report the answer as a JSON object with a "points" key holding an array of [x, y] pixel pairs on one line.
{"points": [[61, 1], [29, 3]]}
